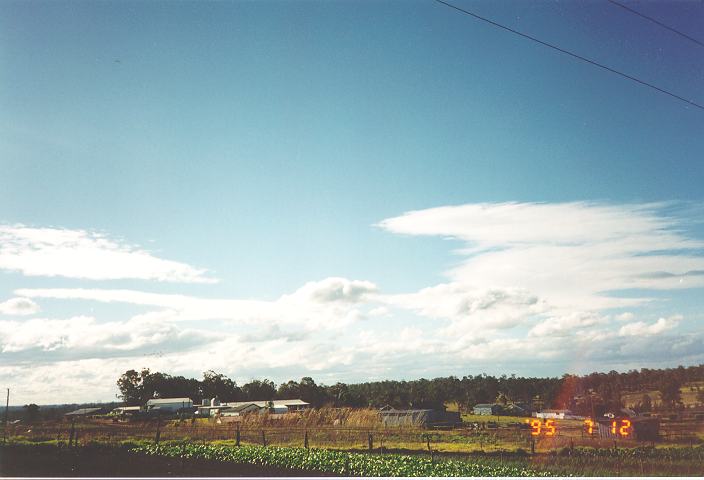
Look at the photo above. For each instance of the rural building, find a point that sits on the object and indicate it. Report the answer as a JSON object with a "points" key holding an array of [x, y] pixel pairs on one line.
{"points": [[274, 406], [248, 407], [419, 418], [84, 412], [168, 405], [487, 409], [126, 410], [556, 414]]}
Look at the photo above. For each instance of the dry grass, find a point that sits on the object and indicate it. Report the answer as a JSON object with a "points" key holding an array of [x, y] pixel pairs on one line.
{"points": [[321, 417]]}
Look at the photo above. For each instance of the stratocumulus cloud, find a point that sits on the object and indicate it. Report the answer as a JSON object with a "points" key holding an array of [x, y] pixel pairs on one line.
{"points": [[18, 307]]}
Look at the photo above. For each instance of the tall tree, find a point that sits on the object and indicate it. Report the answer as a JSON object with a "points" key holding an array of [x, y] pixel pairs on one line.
{"points": [[259, 390]]}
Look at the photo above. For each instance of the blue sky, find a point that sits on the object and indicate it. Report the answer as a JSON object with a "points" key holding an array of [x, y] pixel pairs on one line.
{"points": [[267, 147]]}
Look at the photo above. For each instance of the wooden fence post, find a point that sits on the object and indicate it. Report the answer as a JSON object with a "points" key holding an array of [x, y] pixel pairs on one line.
{"points": [[263, 438], [371, 442], [72, 432], [237, 436], [305, 440], [158, 429]]}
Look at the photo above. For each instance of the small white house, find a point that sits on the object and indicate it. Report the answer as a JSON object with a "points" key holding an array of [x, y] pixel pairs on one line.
{"points": [[169, 405]]}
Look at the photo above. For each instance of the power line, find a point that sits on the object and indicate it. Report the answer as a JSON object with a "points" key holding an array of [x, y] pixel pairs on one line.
{"points": [[562, 50], [657, 22]]}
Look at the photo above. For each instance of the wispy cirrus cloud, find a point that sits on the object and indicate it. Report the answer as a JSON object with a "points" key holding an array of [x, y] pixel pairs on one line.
{"points": [[81, 254]]}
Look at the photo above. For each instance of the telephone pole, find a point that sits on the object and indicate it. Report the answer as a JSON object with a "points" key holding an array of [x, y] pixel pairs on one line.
{"points": [[7, 408]]}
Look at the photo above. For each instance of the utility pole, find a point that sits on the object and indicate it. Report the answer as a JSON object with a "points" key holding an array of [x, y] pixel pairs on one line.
{"points": [[7, 408]]}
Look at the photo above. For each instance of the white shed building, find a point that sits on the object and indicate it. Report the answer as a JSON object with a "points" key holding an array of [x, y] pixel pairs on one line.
{"points": [[169, 404]]}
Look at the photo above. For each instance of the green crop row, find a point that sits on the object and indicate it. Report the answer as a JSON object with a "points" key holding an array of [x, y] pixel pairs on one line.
{"points": [[342, 463], [671, 453]]}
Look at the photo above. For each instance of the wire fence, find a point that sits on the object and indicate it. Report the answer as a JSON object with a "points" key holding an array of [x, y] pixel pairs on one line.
{"points": [[501, 438]]}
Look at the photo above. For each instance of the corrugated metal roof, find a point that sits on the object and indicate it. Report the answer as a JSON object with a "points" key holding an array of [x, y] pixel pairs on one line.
{"points": [[83, 411], [297, 401], [265, 403], [157, 401]]}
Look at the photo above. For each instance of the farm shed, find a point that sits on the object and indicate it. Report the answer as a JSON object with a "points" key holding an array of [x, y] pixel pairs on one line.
{"points": [[84, 412], [169, 405], [274, 406], [487, 409], [419, 418]]}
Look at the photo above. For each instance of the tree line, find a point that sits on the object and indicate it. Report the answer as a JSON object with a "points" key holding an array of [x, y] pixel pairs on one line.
{"points": [[587, 394]]}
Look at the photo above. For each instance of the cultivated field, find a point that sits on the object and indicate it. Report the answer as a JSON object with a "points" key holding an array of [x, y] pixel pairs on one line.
{"points": [[484, 442]]}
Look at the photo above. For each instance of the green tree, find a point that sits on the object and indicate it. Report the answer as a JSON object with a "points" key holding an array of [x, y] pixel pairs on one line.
{"points": [[31, 413], [220, 386], [131, 386], [669, 388], [259, 390], [646, 404]]}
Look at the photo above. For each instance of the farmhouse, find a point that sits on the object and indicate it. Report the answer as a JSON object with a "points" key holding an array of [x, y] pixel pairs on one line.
{"points": [[168, 405], [487, 409], [419, 418]]}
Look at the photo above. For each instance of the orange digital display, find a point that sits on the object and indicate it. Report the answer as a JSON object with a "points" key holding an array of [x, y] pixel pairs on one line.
{"points": [[620, 427], [625, 429], [549, 428]]}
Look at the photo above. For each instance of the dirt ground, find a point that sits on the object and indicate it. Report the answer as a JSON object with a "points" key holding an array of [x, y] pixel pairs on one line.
{"points": [[97, 461]]}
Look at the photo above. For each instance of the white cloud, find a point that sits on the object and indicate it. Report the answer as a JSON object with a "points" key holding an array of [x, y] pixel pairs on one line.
{"points": [[565, 325], [329, 303], [85, 337], [570, 255], [335, 289], [533, 287], [469, 308], [19, 306], [88, 255], [642, 329]]}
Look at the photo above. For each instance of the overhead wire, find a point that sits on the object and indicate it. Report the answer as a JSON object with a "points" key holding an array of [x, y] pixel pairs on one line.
{"points": [[691, 39], [574, 55]]}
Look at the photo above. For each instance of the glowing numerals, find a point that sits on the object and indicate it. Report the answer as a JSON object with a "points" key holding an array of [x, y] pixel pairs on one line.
{"points": [[537, 427], [625, 429], [620, 427], [550, 428]]}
